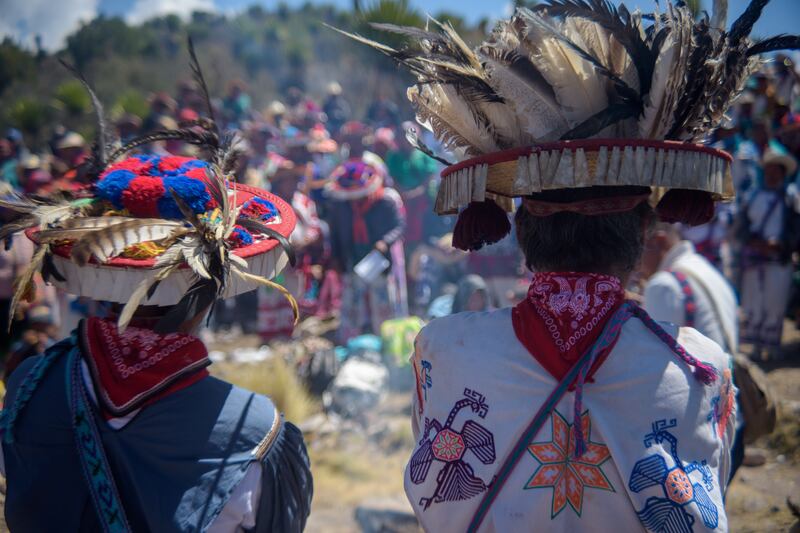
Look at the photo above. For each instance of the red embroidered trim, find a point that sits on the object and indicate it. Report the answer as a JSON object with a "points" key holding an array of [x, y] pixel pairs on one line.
{"points": [[590, 207], [563, 315], [139, 366]]}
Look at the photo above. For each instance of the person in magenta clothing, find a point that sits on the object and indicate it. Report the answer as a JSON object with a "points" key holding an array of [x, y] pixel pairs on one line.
{"points": [[574, 409]]}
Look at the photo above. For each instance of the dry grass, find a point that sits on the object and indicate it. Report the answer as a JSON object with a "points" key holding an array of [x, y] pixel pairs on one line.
{"points": [[273, 378]]}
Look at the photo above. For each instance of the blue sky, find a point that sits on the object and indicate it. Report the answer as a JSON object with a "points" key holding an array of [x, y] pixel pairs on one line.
{"points": [[54, 19]]}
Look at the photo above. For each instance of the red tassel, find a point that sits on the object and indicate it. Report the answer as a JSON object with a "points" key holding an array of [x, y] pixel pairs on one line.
{"points": [[686, 206], [479, 224]]}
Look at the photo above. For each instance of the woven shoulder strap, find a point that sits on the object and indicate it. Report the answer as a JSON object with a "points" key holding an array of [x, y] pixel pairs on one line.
{"points": [[94, 462], [606, 339], [689, 302]]}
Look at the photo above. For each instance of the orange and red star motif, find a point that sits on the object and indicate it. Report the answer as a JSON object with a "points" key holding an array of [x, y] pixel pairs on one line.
{"points": [[560, 470]]}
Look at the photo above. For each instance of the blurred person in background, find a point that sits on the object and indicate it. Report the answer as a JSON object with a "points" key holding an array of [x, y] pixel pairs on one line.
{"points": [[365, 215], [786, 79], [433, 266], [275, 316], [34, 174], [8, 164], [766, 225], [15, 255], [411, 171], [335, 107], [237, 103], [684, 288], [128, 126], [161, 105]]}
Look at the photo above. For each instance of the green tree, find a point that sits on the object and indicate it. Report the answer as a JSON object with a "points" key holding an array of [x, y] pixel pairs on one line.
{"points": [[15, 64], [29, 115], [72, 98]]}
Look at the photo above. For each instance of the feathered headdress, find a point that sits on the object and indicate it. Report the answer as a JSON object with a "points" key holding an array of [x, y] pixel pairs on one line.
{"points": [[580, 93], [167, 231]]}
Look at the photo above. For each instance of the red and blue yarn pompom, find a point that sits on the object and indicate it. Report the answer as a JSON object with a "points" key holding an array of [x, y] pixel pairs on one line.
{"points": [[144, 186], [259, 209], [240, 237]]}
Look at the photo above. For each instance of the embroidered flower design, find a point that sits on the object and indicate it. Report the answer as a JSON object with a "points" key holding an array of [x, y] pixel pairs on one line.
{"points": [[560, 470], [448, 446]]}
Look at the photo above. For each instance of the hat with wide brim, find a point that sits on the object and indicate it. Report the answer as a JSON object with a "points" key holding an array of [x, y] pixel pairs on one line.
{"points": [[659, 165], [782, 158], [353, 180], [116, 279]]}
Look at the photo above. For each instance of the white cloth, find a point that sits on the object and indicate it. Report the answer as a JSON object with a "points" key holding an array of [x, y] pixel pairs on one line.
{"points": [[765, 295], [242, 508], [715, 314], [640, 399]]}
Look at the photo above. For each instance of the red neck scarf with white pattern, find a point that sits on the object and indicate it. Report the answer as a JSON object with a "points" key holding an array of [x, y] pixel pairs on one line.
{"points": [[138, 367], [563, 315]]}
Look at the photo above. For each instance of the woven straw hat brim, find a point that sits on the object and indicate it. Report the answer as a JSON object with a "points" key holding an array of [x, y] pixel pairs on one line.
{"points": [[660, 165]]}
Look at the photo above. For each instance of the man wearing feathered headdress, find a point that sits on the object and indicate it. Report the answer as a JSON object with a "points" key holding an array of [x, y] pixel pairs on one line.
{"points": [[120, 427], [575, 410]]}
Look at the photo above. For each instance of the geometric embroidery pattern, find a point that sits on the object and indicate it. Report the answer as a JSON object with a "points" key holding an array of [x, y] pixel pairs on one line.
{"points": [[668, 514], [722, 405], [456, 480], [560, 470]]}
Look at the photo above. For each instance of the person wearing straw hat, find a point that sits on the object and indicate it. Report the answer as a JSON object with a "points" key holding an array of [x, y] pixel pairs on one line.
{"points": [[120, 427], [575, 409], [767, 226]]}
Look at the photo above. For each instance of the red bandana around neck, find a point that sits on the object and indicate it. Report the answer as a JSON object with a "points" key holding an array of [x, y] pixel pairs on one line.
{"points": [[563, 315], [138, 367]]}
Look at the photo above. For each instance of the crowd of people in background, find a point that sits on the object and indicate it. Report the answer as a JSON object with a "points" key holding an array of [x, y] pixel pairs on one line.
{"points": [[369, 248]]}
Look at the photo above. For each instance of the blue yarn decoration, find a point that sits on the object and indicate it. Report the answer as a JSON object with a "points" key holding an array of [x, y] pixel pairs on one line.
{"points": [[194, 163], [111, 186], [154, 160], [269, 209], [193, 192], [241, 236]]}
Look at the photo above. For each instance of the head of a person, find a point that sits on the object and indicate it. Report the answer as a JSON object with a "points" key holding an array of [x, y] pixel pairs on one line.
{"points": [[285, 181], [657, 245], [472, 295], [570, 242], [70, 148]]}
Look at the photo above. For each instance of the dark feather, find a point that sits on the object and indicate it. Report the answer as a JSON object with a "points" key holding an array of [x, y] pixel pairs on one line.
{"points": [[416, 142], [697, 81], [624, 91], [779, 42], [254, 226], [521, 66], [101, 140], [617, 21], [22, 223], [49, 269], [197, 73], [200, 296], [741, 28], [152, 290], [599, 121], [201, 138]]}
